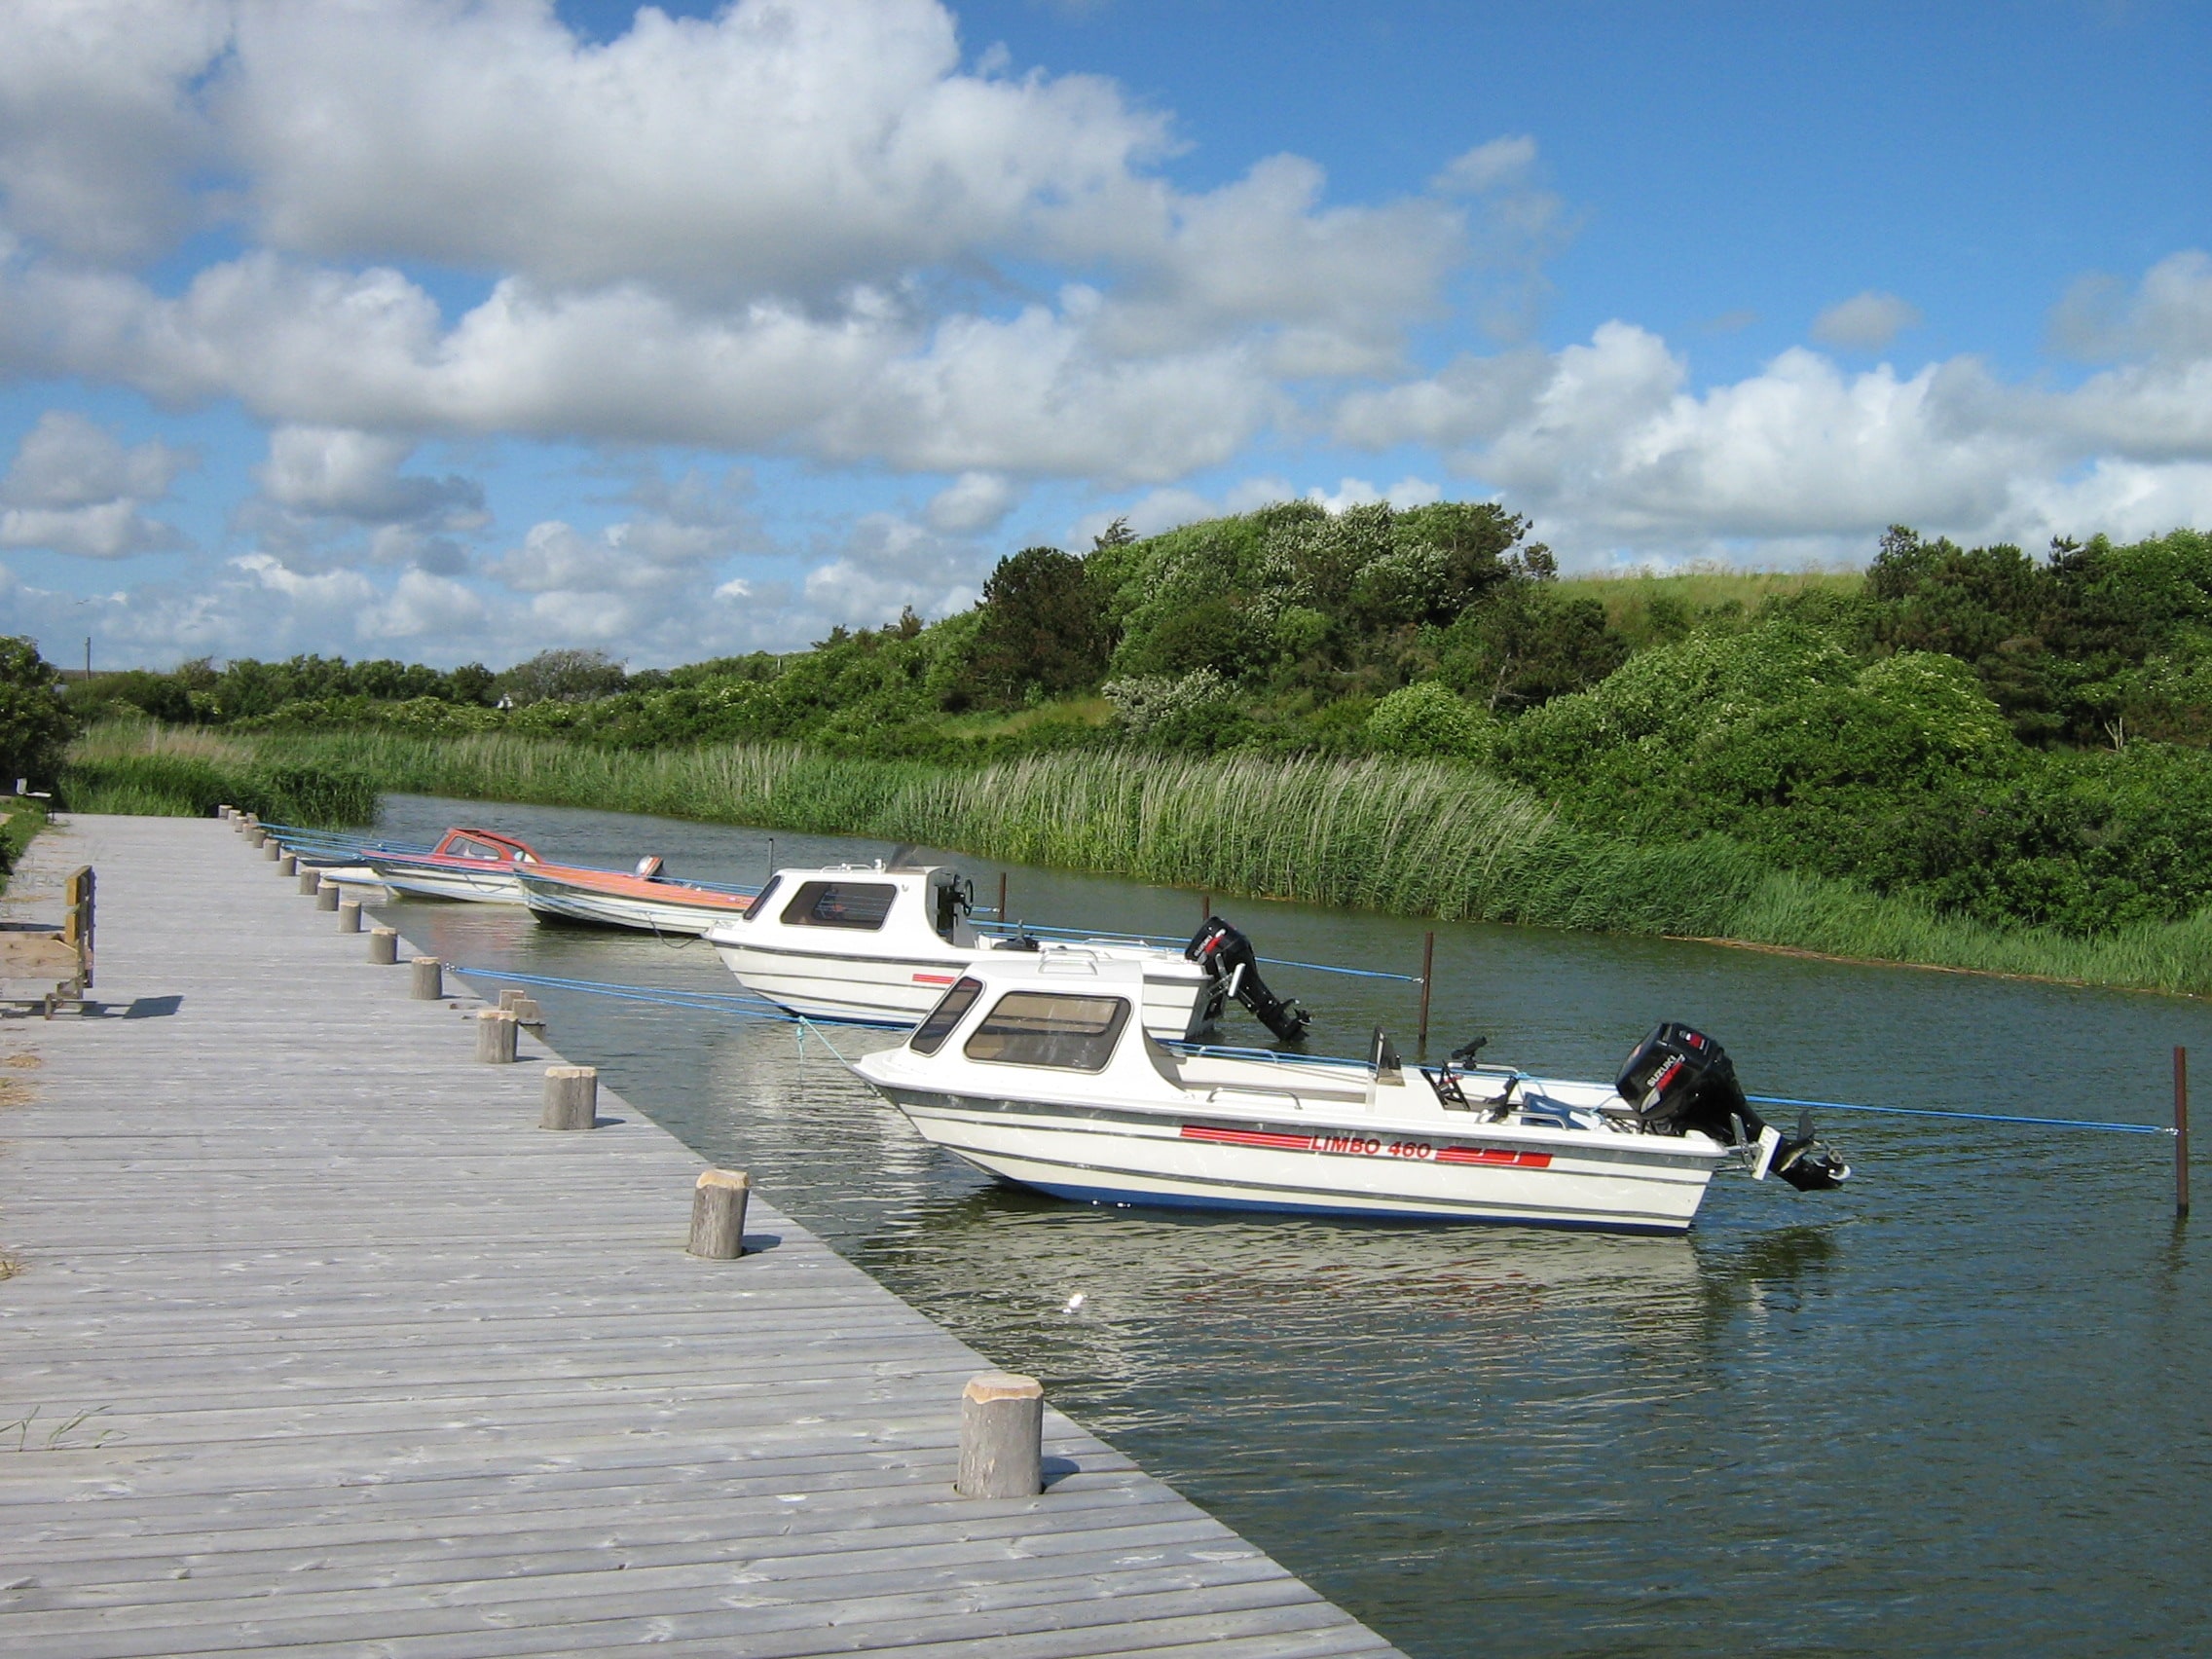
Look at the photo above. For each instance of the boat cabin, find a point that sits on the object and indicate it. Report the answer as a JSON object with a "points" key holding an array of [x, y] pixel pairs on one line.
{"points": [[484, 846], [869, 899], [1072, 1014]]}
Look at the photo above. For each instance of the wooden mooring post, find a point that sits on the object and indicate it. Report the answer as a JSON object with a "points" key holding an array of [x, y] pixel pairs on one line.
{"points": [[310, 883], [326, 895], [571, 1098], [496, 1032], [349, 915], [2180, 1130], [384, 947], [1002, 1436], [427, 982], [718, 1214]]}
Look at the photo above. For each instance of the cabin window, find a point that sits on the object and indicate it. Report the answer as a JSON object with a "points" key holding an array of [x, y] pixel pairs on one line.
{"points": [[761, 898], [1037, 1028], [476, 850], [937, 1025], [859, 905]]}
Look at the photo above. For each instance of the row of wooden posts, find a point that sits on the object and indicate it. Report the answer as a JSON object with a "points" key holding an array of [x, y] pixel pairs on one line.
{"points": [[1002, 1414]]}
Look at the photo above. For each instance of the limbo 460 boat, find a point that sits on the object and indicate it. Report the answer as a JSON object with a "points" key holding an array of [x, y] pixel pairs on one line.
{"points": [[1041, 1072]]}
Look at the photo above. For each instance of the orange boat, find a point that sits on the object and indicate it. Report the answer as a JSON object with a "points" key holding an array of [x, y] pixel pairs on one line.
{"points": [[644, 900]]}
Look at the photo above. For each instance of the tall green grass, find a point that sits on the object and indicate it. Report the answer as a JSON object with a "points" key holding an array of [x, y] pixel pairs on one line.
{"points": [[1414, 837], [133, 768]]}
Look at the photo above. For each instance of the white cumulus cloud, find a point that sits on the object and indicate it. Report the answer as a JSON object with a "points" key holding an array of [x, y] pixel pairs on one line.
{"points": [[74, 488]]}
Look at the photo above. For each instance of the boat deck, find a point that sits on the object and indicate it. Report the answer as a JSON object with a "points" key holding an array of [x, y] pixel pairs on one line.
{"points": [[318, 1345]]}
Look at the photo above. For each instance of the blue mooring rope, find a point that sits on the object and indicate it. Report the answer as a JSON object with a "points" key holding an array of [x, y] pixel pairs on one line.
{"points": [[1964, 1116]]}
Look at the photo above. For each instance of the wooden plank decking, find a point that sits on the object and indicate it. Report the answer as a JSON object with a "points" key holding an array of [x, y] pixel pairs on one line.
{"points": [[376, 1367]]}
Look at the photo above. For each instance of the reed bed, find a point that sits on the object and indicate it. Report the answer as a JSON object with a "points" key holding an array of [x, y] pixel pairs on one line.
{"points": [[1424, 838], [141, 768]]}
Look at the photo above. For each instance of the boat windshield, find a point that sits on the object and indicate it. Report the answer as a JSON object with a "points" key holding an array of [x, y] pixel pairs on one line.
{"points": [[1039, 1028], [760, 900], [859, 905], [928, 1036]]}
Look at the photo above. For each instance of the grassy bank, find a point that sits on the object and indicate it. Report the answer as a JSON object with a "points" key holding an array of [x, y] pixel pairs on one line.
{"points": [[1410, 837]]}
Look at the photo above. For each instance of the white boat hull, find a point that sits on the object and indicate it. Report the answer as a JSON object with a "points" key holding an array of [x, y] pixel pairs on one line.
{"points": [[1097, 1153], [491, 886], [1179, 1000], [612, 910]]}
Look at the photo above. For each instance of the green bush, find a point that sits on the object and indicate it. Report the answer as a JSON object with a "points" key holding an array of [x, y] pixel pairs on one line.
{"points": [[1427, 721]]}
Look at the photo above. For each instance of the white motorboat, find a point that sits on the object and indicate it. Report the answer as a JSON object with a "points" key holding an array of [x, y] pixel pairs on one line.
{"points": [[864, 943], [1036, 1071]]}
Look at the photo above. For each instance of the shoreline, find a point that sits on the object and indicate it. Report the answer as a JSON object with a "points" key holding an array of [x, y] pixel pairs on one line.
{"points": [[1408, 838]]}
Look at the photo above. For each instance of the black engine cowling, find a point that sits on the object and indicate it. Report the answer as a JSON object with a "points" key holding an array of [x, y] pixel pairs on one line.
{"points": [[1228, 955], [1679, 1079]]}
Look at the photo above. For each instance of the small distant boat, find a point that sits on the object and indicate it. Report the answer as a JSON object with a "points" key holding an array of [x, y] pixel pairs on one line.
{"points": [[478, 865], [644, 900], [864, 943], [1039, 1072]]}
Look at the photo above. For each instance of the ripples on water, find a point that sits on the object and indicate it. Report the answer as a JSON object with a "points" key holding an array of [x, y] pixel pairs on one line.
{"points": [[1958, 1407]]}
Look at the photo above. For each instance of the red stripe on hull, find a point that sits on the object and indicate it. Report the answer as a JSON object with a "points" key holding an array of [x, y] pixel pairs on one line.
{"points": [[1247, 1137], [1495, 1154]]}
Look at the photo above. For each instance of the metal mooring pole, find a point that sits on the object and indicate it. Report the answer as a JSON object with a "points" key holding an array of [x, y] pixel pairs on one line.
{"points": [[1427, 973]]}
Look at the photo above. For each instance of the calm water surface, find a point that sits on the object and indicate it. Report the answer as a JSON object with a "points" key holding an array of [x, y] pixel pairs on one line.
{"points": [[1958, 1407]]}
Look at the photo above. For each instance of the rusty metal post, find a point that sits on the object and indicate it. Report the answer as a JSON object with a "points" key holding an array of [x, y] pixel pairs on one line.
{"points": [[2180, 1130], [1427, 975]]}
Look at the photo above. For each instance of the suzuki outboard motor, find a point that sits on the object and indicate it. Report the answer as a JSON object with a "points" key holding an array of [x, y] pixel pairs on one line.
{"points": [[1679, 1079], [1228, 956]]}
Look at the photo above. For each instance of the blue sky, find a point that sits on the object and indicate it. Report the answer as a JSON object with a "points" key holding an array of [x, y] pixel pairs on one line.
{"points": [[455, 331]]}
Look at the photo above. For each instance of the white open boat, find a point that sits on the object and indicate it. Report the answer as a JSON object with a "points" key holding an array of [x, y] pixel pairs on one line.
{"points": [[478, 865], [1035, 1071], [642, 899], [862, 943]]}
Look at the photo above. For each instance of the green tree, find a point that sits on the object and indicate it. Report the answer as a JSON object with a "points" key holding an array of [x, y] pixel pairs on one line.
{"points": [[563, 677], [1527, 644], [1043, 622], [35, 726]]}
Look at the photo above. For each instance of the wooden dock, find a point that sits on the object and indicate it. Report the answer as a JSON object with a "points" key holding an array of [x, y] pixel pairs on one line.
{"points": [[318, 1345]]}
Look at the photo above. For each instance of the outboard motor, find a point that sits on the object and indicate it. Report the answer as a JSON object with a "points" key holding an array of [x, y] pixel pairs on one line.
{"points": [[954, 899], [1679, 1079], [1228, 955]]}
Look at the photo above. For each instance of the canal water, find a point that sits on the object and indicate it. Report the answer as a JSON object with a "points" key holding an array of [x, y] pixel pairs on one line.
{"points": [[1958, 1407]]}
